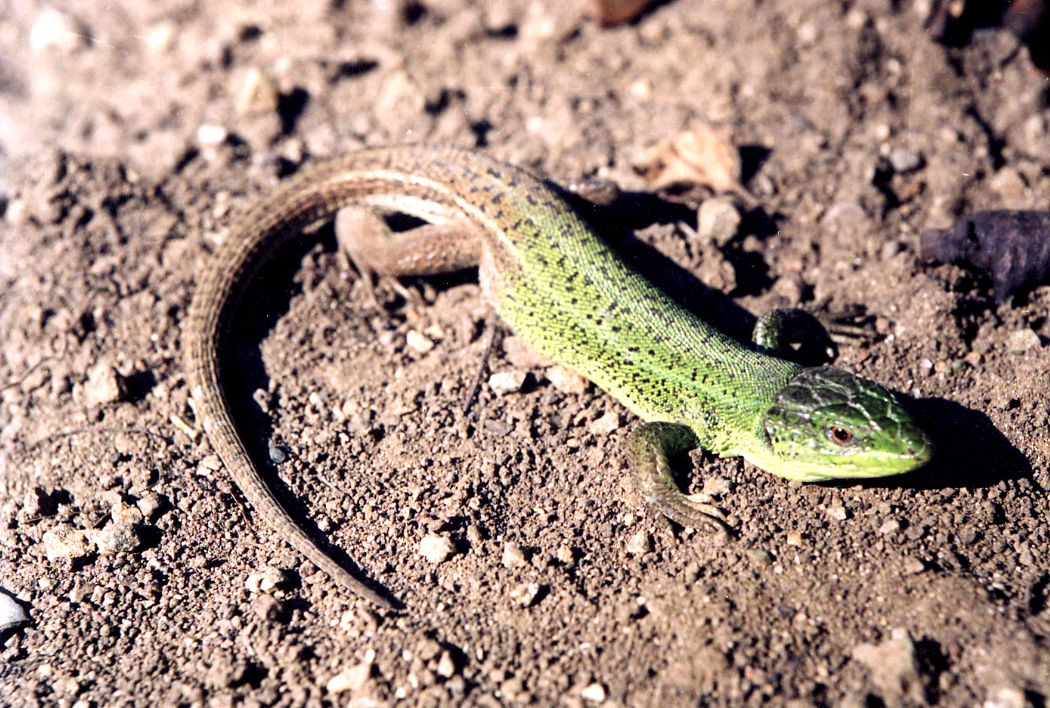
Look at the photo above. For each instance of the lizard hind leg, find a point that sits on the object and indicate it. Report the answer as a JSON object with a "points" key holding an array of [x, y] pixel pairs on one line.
{"points": [[649, 446], [374, 248], [427, 249]]}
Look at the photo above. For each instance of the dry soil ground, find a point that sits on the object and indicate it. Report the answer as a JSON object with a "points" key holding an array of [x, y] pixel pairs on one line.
{"points": [[133, 134]]}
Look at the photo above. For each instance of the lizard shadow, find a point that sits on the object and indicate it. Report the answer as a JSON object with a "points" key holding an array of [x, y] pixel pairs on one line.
{"points": [[266, 299], [633, 211], [970, 450]]}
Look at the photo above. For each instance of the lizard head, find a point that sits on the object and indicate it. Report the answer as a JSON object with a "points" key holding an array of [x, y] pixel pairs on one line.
{"points": [[828, 424]]}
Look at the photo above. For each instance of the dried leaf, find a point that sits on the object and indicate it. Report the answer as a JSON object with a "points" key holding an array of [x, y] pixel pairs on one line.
{"points": [[613, 12], [1013, 247], [702, 156]]}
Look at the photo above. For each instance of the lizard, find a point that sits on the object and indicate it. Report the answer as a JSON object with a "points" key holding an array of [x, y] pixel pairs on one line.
{"points": [[561, 287]]}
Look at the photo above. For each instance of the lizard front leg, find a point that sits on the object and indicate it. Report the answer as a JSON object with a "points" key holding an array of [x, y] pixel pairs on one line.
{"points": [[778, 329], [649, 446]]}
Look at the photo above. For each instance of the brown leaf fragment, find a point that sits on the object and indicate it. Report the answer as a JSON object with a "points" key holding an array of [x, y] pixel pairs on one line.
{"points": [[614, 12], [1013, 247], [703, 156]]}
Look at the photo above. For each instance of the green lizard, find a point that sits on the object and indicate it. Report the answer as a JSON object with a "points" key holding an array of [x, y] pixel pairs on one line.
{"points": [[565, 291]]}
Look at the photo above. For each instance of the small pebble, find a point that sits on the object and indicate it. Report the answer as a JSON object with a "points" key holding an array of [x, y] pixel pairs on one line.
{"points": [[80, 591], [274, 578], [716, 486], [267, 580], [717, 220], [353, 679], [890, 249], [807, 33], [57, 30], [913, 566], [1008, 184], [525, 594], [278, 455], [37, 503], [762, 556], [252, 582], [640, 544], [446, 667], [904, 160], [513, 555], [564, 554], [837, 512], [428, 649], [258, 94], [125, 513], [65, 542], [418, 342], [514, 689], [595, 693], [11, 612], [566, 380], [161, 37], [505, 382], [894, 667], [1006, 697], [266, 607], [116, 537], [457, 686], [104, 385], [436, 548], [209, 465], [522, 354], [211, 135], [149, 505], [1022, 341], [891, 526], [608, 423], [1005, 402]]}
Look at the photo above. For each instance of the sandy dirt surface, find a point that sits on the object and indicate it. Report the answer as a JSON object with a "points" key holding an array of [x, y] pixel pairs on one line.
{"points": [[133, 135]]}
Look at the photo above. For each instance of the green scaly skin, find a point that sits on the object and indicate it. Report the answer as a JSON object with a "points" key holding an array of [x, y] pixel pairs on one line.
{"points": [[564, 290]]}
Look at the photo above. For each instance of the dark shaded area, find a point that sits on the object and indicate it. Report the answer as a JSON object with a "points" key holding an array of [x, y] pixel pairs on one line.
{"points": [[752, 157], [436, 106], [633, 211], [290, 107], [932, 663], [1028, 20], [481, 130], [139, 384], [996, 144], [266, 299], [971, 452], [352, 69], [1038, 594]]}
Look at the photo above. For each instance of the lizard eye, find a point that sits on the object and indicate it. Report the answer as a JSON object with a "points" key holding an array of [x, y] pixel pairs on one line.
{"points": [[839, 434]]}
